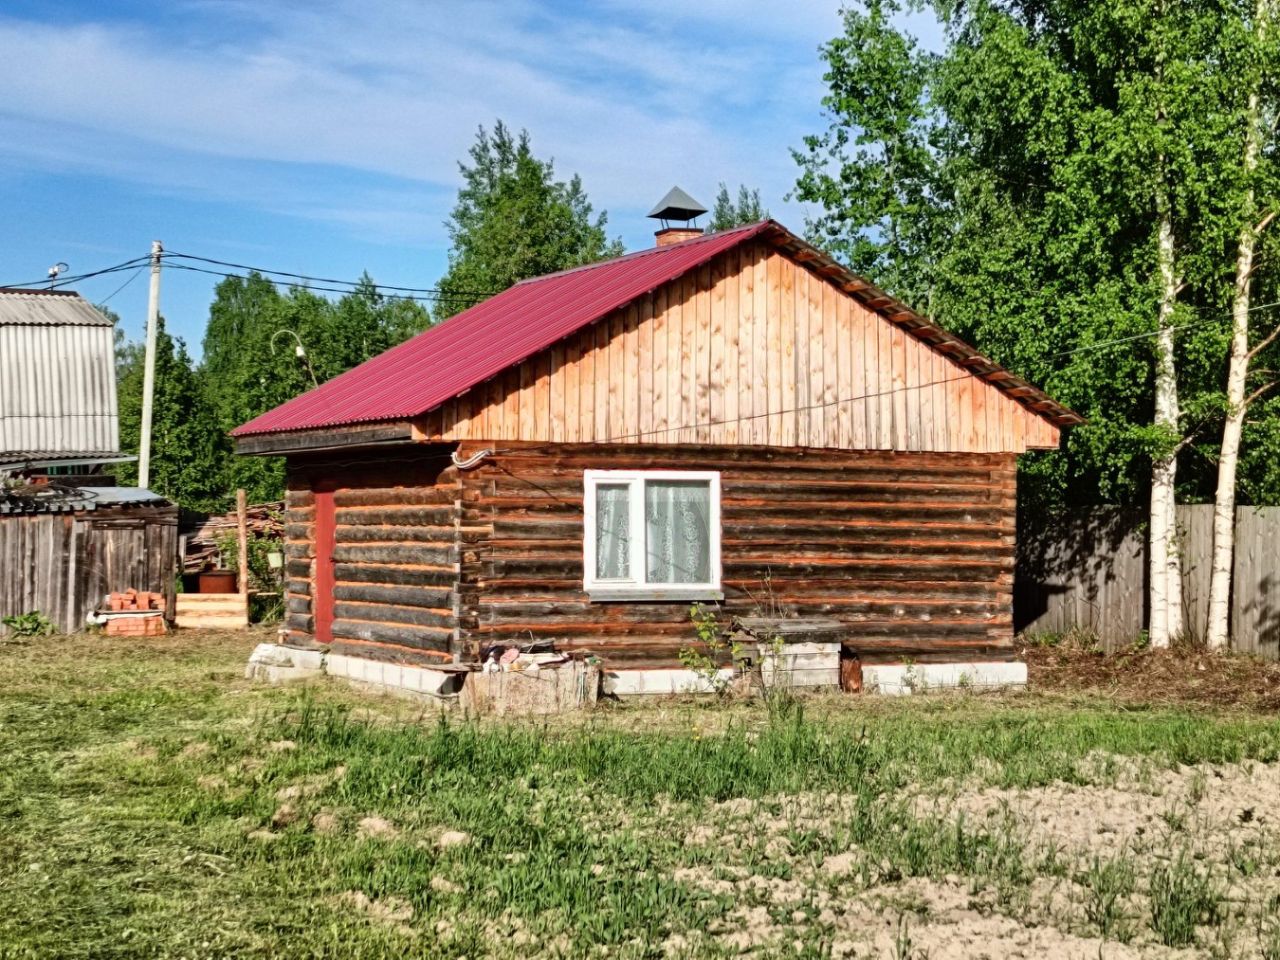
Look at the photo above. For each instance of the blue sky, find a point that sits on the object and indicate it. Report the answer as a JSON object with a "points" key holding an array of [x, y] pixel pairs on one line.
{"points": [[322, 137]]}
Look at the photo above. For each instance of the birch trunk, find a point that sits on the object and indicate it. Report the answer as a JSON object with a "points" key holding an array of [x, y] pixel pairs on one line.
{"points": [[1217, 630], [1165, 574]]}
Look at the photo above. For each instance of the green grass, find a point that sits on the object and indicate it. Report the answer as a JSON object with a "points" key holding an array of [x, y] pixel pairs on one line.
{"points": [[132, 780]]}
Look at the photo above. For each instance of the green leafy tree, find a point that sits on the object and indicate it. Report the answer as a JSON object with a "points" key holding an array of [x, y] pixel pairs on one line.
{"points": [[514, 220], [1060, 185], [250, 361], [728, 213], [188, 452]]}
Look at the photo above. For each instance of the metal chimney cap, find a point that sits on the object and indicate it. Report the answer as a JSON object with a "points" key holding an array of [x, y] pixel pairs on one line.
{"points": [[677, 205]]}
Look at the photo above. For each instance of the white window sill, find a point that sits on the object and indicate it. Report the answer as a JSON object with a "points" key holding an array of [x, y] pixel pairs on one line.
{"points": [[673, 592]]}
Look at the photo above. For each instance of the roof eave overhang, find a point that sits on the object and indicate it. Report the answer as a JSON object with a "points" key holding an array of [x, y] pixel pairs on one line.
{"points": [[321, 438]]}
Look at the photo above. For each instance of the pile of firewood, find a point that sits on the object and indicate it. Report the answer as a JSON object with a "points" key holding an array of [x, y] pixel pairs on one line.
{"points": [[263, 520]]}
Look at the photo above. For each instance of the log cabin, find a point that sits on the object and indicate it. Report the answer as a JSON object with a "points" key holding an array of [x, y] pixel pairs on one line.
{"points": [[731, 419]]}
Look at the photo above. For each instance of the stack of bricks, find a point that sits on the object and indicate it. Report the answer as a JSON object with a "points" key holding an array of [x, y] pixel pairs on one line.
{"points": [[135, 600], [141, 623]]}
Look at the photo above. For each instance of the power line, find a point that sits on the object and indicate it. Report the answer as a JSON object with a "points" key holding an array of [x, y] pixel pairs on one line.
{"points": [[134, 277], [434, 298], [1153, 333], [63, 281], [478, 294], [779, 413]]}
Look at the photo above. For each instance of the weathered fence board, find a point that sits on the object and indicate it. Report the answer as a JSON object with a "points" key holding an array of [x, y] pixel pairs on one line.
{"points": [[63, 564], [1089, 570]]}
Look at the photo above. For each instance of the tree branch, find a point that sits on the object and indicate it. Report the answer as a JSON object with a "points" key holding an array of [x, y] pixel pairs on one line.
{"points": [[1259, 392]]}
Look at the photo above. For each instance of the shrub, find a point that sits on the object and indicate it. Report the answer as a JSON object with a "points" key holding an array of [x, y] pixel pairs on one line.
{"points": [[24, 626]]}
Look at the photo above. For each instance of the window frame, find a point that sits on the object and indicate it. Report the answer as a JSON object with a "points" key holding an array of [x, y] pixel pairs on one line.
{"points": [[636, 587]]}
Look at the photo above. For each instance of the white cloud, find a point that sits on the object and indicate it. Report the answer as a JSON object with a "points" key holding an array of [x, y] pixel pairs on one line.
{"points": [[637, 99]]}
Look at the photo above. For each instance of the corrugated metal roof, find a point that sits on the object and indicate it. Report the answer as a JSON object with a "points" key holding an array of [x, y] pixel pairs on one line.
{"points": [[51, 307], [56, 499], [447, 360], [57, 376], [467, 349]]}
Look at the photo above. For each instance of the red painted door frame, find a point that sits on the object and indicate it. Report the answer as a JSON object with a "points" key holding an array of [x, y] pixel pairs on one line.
{"points": [[322, 585]]}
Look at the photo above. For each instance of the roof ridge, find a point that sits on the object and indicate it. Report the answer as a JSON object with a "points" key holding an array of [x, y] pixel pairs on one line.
{"points": [[646, 252]]}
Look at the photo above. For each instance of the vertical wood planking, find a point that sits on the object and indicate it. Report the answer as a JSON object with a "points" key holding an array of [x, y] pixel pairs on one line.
{"points": [[630, 378], [898, 346], [760, 345], [702, 352], [775, 358], [733, 346], [831, 347], [644, 358], [787, 350], [844, 378], [750, 348], [804, 346], [717, 348], [815, 436], [746, 281]]}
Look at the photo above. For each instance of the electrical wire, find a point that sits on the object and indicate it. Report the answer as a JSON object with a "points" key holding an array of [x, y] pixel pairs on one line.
{"points": [[436, 298], [104, 300], [53, 283], [1152, 333], [478, 294]]}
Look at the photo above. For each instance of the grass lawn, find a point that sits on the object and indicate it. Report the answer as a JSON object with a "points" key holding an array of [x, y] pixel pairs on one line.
{"points": [[155, 804]]}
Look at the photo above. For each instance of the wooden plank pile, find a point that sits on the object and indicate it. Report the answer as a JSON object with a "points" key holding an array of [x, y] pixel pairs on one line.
{"points": [[262, 520]]}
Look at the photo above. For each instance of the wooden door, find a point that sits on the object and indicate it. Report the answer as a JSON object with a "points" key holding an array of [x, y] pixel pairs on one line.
{"points": [[322, 585]]}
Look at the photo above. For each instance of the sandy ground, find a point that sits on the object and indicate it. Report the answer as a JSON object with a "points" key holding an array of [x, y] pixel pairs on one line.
{"points": [[1224, 819]]}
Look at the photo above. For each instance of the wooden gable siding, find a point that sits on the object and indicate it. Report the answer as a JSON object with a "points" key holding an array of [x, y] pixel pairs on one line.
{"points": [[914, 552], [749, 349]]}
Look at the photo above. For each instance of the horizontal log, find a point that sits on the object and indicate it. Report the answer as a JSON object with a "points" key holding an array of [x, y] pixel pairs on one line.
{"points": [[297, 550], [298, 585], [295, 604], [396, 496], [392, 534], [429, 516], [415, 575], [392, 653], [390, 613], [846, 488], [419, 554], [405, 596], [417, 637], [299, 532], [297, 567], [300, 622]]}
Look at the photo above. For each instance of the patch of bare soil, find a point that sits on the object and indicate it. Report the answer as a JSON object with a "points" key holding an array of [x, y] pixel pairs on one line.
{"points": [[1220, 820], [1178, 675]]}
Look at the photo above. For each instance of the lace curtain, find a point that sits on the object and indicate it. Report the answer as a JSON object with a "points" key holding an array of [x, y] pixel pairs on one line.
{"points": [[677, 515], [613, 532]]}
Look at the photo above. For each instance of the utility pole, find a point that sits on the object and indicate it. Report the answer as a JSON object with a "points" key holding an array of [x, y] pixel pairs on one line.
{"points": [[149, 369]]}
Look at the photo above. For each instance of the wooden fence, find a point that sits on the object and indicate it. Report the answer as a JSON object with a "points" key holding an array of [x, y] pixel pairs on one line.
{"points": [[1089, 570], [62, 564]]}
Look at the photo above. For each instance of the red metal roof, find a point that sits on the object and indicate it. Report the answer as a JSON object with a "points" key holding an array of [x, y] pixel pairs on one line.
{"points": [[479, 343], [448, 359]]}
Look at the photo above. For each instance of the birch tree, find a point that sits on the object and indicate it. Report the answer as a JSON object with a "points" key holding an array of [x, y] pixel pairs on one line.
{"points": [[1255, 76]]}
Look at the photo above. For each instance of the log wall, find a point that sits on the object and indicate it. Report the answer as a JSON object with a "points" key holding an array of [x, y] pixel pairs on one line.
{"points": [[915, 552], [753, 349], [395, 554]]}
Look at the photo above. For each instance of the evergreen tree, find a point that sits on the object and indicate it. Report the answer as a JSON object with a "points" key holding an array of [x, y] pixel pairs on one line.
{"points": [[726, 214], [250, 361], [514, 220], [188, 451]]}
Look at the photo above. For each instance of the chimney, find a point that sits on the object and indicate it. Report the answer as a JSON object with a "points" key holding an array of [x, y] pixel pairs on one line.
{"points": [[669, 235], [677, 205]]}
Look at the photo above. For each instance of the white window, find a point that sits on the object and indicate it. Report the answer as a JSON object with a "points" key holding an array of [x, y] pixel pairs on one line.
{"points": [[652, 535]]}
